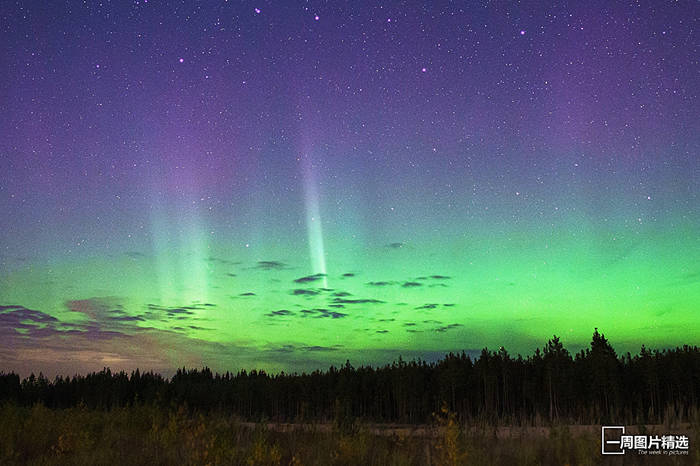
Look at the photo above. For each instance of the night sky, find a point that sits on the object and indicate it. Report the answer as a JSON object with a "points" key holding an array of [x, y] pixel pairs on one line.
{"points": [[287, 185]]}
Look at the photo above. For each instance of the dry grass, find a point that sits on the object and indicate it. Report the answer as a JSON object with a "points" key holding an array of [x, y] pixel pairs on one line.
{"points": [[151, 436]]}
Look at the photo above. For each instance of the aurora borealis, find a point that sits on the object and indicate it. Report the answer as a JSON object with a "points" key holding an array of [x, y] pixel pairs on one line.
{"points": [[286, 185]]}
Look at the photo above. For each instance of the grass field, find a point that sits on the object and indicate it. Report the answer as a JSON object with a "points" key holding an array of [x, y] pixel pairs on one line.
{"points": [[149, 435]]}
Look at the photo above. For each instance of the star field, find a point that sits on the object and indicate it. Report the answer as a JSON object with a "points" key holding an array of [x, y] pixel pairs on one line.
{"points": [[290, 184]]}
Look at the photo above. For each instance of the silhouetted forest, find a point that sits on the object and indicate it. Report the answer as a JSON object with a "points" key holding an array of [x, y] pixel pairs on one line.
{"points": [[593, 386]]}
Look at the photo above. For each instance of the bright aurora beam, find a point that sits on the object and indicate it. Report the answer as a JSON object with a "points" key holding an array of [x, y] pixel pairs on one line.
{"points": [[314, 227]]}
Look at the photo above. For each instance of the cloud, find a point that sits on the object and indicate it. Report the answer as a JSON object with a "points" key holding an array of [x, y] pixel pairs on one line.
{"points": [[341, 294], [55, 346], [105, 335], [395, 245], [321, 348], [103, 322], [270, 265], [320, 313], [304, 292], [296, 347], [95, 308], [231, 274], [284, 349], [449, 305], [435, 277], [379, 283], [11, 306], [135, 255], [310, 278], [15, 313], [332, 314], [382, 331], [247, 293], [448, 327], [411, 284], [128, 319], [172, 311], [20, 322], [166, 313], [357, 301], [428, 306], [348, 275], [409, 324], [281, 312]]}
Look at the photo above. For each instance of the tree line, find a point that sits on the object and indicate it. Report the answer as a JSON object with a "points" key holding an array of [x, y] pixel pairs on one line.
{"points": [[593, 386]]}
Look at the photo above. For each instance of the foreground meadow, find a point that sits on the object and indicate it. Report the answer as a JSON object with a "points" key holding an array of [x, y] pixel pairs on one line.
{"points": [[149, 435]]}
